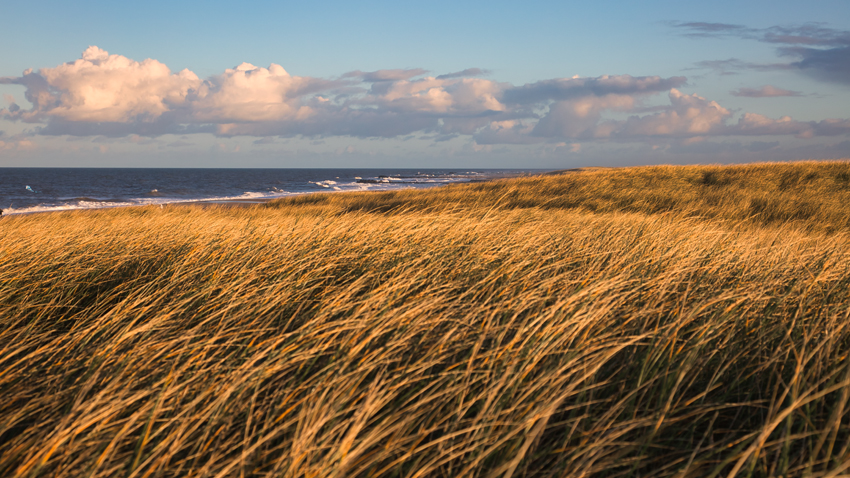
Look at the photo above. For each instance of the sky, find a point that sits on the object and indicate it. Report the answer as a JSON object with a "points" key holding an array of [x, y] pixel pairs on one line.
{"points": [[535, 84]]}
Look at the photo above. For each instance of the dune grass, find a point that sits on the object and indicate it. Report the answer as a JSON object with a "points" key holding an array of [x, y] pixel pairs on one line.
{"points": [[660, 321], [809, 195]]}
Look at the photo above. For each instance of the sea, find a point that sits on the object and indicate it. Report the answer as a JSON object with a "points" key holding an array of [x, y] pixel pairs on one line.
{"points": [[29, 190]]}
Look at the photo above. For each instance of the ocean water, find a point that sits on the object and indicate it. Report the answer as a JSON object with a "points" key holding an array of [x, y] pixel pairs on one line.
{"points": [[27, 190]]}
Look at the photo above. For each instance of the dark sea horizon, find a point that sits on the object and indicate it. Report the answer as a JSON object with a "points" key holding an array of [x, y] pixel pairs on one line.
{"points": [[28, 190]]}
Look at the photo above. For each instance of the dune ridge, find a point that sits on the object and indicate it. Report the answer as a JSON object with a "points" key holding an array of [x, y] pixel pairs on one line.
{"points": [[655, 321]]}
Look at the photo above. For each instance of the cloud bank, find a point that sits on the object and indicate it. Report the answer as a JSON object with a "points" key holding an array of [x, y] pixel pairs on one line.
{"points": [[111, 95]]}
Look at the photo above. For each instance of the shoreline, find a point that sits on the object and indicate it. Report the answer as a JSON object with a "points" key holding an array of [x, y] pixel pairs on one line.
{"points": [[198, 203], [248, 202]]}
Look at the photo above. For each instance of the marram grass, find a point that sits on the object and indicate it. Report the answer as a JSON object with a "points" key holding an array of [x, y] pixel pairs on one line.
{"points": [[549, 326]]}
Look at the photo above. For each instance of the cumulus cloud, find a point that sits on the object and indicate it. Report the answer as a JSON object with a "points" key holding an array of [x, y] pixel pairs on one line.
{"points": [[756, 124], [389, 108], [432, 95], [250, 93], [107, 95], [580, 117], [688, 115], [104, 88], [116, 94], [766, 91], [113, 95]]}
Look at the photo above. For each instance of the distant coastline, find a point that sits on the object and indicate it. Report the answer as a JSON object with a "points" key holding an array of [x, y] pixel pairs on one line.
{"points": [[62, 189]]}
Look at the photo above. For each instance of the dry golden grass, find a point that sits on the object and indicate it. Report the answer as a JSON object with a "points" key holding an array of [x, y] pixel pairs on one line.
{"points": [[550, 326], [809, 195]]}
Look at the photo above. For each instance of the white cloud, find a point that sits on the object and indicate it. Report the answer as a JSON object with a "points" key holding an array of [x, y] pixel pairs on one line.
{"points": [[580, 117], [114, 96], [110, 88], [687, 115], [252, 94], [432, 95], [756, 124]]}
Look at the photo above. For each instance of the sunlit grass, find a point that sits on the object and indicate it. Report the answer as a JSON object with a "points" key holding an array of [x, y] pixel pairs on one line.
{"points": [[810, 195], [550, 326]]}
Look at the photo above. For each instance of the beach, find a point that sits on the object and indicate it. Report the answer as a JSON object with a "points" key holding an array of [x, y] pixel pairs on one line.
{"points": [[28, 190]]}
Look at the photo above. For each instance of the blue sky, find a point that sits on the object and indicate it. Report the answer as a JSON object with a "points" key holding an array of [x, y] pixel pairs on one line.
{"points": [[360, 84]]}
